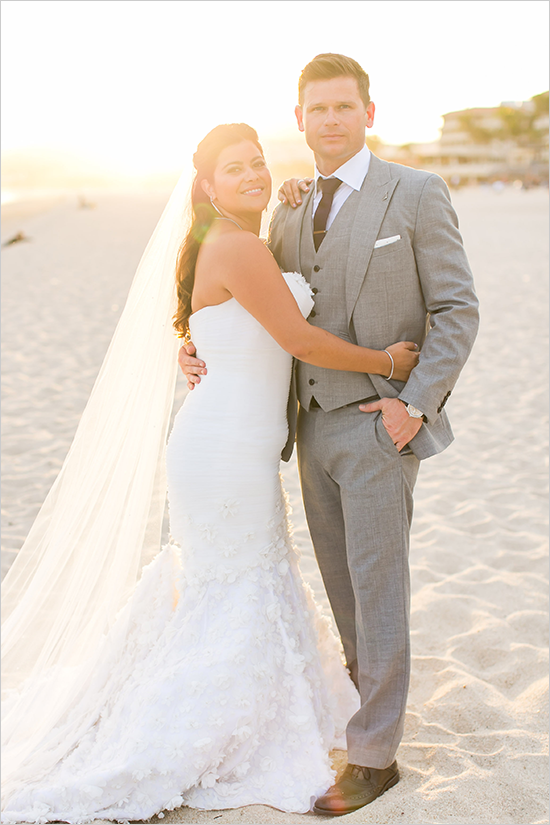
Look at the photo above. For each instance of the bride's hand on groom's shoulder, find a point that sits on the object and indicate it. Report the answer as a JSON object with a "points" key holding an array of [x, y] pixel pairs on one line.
{"points": [[291, 190], [191, 367]]}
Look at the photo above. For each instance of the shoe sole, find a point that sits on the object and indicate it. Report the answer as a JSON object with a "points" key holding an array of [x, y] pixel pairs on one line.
{"points": [[389, 784]]}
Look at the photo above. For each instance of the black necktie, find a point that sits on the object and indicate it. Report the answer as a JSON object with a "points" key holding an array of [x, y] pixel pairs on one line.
{"points": [[328, 187]]}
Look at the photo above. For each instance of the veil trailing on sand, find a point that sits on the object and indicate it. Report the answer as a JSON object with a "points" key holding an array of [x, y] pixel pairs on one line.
{"points": [[99, 525]]}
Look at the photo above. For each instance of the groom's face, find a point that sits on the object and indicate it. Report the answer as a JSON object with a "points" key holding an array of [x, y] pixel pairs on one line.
{"points": [[334, 119]]}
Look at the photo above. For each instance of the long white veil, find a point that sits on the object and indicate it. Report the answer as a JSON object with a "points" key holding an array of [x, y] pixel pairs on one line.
{"points": [[100, 523]]}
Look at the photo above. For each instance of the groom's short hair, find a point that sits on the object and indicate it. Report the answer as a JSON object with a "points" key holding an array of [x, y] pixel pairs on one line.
{"points": [[327, 66]]}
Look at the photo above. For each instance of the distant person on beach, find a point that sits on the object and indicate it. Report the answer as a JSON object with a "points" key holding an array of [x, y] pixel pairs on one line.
{"points": [[17, 238], [219, 683], [379, 244]]}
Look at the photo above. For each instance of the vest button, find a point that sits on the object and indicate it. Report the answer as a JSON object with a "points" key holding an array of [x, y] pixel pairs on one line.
{"points": [[311, 381], [312, 314], [315, 290], [316, 268]]}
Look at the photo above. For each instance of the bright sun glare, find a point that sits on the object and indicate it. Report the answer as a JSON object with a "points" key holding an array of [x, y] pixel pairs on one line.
{"points": [[135, 85]]}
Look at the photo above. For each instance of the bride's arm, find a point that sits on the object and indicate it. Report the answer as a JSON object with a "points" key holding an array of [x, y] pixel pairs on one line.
{"points": [[249, 272]]}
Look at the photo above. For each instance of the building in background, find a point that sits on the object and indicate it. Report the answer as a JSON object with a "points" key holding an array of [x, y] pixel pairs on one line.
{"points": [[506, 143]]}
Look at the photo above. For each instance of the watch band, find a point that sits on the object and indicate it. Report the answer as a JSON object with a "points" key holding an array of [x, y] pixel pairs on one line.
{"points": [[414, 412]]}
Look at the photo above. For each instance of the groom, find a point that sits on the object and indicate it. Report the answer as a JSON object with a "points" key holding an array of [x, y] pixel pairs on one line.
{"points": [[379, 244]]}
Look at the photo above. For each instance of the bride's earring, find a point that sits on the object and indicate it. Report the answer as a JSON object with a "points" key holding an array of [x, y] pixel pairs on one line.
{"points": [[215, 207]]}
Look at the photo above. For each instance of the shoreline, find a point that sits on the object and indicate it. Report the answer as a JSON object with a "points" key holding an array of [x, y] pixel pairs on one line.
{"points": [[24, 208]]}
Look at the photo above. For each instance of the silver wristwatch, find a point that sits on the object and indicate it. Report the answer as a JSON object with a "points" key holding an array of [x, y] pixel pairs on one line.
{"points": [[414, 412]]}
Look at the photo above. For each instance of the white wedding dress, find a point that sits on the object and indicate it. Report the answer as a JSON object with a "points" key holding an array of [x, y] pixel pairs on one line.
{"points": [[226, 687]]}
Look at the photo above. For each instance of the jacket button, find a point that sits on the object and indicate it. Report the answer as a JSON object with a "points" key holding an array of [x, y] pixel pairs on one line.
{"points": [[315, 290], [312, 314], [311, 381], [316, 268]]}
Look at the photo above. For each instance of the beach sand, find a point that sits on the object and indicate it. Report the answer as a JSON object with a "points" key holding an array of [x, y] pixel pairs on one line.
{"points": [[474, 749]]}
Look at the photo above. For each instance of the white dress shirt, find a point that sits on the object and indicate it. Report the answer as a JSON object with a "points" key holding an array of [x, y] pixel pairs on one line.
{"points": [[352, 174]]}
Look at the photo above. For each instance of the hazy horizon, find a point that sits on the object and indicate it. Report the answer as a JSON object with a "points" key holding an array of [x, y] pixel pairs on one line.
{"points": [[131, 87]]}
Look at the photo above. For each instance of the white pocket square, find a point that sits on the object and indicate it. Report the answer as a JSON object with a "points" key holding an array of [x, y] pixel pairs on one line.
{"points": [[386, 241]]}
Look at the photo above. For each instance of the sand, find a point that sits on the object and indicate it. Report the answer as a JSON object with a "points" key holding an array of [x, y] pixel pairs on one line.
{"points": [[474, 749]]}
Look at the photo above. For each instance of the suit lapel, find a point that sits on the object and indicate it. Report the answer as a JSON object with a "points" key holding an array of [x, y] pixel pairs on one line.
{"points": [[376, 194], [292, 235]]}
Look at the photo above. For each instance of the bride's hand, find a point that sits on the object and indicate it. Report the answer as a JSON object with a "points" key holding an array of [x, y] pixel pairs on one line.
{"points": [[291, 190], [405, 356]]}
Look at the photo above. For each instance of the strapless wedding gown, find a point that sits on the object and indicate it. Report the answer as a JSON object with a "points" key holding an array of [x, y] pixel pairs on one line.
{"points": [[228, 688]]}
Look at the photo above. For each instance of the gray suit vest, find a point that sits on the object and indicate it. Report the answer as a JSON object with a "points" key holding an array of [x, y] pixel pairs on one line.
{"points": [[325, 270]]}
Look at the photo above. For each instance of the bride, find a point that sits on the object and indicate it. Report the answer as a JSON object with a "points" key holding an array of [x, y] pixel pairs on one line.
{"points": [[214, 682]]}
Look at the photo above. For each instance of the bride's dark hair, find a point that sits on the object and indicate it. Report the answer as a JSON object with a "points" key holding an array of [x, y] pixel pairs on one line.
{"points": [[204, 161]]}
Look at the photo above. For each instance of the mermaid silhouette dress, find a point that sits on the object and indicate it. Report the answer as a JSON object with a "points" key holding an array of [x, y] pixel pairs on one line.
{"points": [[227, 686]]}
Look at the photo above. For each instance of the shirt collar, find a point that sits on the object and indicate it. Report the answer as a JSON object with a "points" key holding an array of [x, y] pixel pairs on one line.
{"points": [[353, 171]]}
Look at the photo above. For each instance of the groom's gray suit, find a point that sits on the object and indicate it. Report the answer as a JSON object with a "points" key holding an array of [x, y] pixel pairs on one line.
{"points": [[357, 488]]}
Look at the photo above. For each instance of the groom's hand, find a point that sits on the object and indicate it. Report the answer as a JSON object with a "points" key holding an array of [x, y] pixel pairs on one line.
{"points": [[400, 426], [191, 367]]}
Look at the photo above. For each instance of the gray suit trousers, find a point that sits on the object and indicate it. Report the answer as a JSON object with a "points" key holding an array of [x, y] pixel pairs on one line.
{"points": [[357, 493]]}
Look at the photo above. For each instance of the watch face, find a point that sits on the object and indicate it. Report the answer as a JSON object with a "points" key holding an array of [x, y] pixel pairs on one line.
{"points": [[414, 412]]}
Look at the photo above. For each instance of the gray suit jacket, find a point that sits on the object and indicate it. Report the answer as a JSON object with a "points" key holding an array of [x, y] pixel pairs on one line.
{"points": [[419, 288]]}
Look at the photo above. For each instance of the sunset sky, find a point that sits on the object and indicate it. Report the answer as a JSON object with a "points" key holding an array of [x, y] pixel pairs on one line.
{"points": [[137, 83]]}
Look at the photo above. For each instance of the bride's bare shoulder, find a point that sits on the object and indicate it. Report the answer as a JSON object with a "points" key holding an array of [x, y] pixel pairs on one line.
{"points": [[239, 248]]}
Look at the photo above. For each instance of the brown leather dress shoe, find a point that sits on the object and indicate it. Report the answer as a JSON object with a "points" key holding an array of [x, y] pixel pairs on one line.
{"points": [[357, 787]]}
